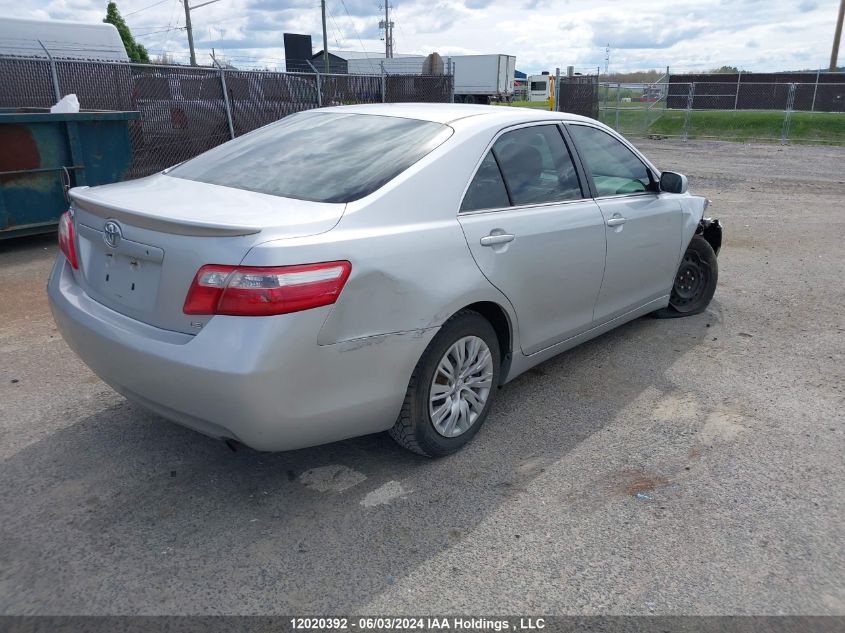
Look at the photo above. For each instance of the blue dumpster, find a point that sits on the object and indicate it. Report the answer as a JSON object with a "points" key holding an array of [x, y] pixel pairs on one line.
{"points": [[41, 153]]}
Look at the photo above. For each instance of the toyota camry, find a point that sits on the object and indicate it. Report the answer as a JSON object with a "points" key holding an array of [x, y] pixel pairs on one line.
{"points": [[370, 268]]}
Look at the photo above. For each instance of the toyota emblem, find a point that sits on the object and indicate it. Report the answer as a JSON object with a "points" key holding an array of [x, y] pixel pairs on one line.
{"points": [[112, 233]]}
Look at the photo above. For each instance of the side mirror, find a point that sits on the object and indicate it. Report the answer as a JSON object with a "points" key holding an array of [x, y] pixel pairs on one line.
{"points": [[670, 182]]}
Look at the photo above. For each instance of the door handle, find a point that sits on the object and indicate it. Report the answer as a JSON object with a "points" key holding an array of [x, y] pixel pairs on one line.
{"points": [[498, 238], [616, 220]]}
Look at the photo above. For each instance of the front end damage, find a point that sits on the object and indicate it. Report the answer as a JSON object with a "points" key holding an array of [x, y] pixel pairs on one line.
{"points": [[711, 230]]}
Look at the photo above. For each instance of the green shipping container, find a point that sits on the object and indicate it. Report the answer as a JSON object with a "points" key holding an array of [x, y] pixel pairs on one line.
{"points": [[42, 152]]}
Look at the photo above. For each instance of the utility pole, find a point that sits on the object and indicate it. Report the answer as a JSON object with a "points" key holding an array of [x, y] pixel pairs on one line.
{"points": [[837, 37], [190, 29], [325, 39], [387, 25], [388, 45]]}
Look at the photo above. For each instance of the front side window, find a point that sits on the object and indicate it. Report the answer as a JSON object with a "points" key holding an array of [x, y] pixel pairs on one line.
{"points": [[539, 85], [536, 166], [615, 169], [318, 156]]}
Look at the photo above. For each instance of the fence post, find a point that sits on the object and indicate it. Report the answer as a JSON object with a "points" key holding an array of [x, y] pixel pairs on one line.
{"points": [[56, 90], [319, 91], [225, 97], [736, 99], [815, 90], [688, 113], [618, 101], [383, 83], [556, 92], [787, 115]]}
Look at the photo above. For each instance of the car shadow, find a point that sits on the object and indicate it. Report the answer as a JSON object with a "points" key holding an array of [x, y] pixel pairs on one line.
{"points": [[124, 512], [28, 247]]}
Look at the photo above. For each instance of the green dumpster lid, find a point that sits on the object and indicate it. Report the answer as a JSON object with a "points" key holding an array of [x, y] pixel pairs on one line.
{"points": [[36, 115]]}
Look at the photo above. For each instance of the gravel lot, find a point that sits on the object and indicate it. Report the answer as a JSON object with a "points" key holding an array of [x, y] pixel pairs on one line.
{"points": [[729, 424]]}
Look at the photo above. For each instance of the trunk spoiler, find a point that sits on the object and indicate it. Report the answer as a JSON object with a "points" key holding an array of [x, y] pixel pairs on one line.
{"points": [[157, 223]]}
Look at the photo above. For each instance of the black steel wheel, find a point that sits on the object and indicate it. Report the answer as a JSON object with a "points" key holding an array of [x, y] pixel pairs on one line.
{"points": [[695, 282]]}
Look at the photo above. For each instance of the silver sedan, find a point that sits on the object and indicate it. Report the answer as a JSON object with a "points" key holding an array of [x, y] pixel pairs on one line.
{"points": [[372, 268]]}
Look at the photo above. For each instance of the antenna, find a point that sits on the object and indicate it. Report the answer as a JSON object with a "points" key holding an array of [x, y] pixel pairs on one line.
{"points": [[387, 25], [607, 59]]}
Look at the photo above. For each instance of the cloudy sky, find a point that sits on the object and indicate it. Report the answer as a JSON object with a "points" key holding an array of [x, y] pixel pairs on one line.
{"points": [[759, 35]]}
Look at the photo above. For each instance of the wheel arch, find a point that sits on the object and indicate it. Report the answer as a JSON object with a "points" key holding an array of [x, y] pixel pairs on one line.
{"points": [[498, 317]]}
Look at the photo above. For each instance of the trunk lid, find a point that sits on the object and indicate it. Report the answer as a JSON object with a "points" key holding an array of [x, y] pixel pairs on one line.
{"points": [[141, 242]]}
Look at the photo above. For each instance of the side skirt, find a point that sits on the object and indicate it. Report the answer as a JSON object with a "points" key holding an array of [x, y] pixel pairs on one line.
{"points": [[522, 363]]}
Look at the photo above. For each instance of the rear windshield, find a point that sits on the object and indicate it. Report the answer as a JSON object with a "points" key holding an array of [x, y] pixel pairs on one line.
{"points": [[318, 156]]}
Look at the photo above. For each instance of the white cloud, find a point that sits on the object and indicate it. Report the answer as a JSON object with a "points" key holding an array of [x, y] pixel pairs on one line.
{"points": [[759, 35]]}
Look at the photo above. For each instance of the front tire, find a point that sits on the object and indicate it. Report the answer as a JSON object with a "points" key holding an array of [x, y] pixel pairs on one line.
{"points": [[452, 388], [695, 281]]}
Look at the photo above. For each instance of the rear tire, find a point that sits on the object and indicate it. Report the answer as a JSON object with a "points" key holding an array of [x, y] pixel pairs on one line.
{"points": [[452, 387], [695, 281]]}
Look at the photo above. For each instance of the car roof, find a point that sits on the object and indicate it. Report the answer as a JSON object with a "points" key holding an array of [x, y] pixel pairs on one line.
{"points": [[449, 112]]}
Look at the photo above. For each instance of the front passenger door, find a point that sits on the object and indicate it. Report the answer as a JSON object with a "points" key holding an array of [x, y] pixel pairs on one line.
{"points": [[643, 225]]}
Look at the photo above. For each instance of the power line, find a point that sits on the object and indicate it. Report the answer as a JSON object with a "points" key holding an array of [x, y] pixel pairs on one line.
{"points": [[126, 15], [354, 30], [335, 27], [170, 22], [401, 30], [179, 28]]}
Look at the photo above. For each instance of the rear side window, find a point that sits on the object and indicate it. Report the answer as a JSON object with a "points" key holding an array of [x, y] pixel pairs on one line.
{"points": [[487, 189], [536, 166], [615, 169], [318, 156]]}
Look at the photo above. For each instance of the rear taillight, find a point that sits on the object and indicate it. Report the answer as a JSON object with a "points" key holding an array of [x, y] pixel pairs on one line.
{"points": [[264, 291], [67, 241]]}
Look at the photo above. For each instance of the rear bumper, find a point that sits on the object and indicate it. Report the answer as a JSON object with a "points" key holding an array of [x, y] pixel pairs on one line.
{"points": [[262, 381]]}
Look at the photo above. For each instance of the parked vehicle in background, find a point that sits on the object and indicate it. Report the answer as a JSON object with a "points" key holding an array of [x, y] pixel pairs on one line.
{"points": [[64, 39], [478, 78], [182, 113], [374, 65], [483, 78], [258, 98], [540, 87], [366, 268]]}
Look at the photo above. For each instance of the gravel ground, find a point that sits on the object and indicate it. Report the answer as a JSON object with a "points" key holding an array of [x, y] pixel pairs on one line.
{"points": [[729, 425]]}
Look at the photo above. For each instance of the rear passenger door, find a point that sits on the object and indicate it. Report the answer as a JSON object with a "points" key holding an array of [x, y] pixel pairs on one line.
{"points": [[642, 224], [535, 234]]}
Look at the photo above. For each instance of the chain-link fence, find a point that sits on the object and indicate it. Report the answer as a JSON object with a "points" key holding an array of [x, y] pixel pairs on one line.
{"points": [[749, 112], [186, 110], [578, 94]]}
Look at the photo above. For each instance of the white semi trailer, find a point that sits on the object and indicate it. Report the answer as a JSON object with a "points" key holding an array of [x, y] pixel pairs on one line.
{"points": [[483, 78], [64, 40], [478, 78]]}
